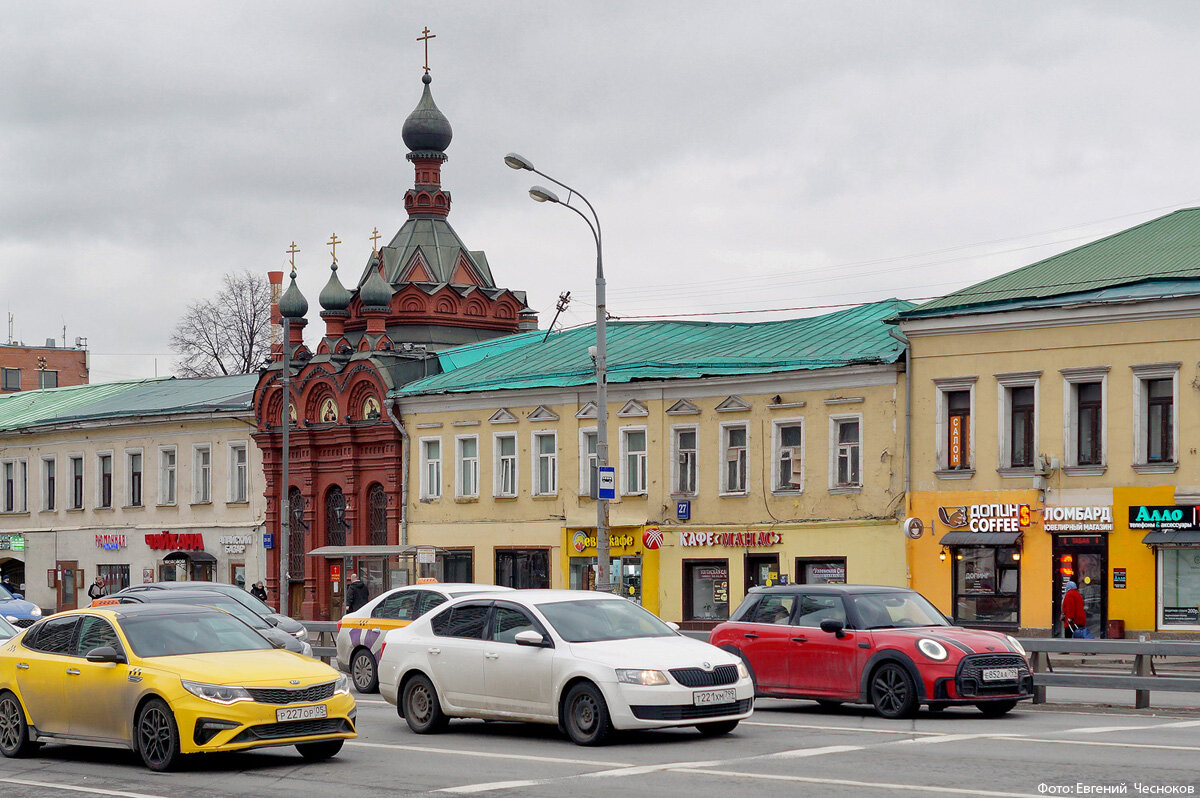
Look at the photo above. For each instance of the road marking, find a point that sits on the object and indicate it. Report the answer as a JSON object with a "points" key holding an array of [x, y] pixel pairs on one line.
{"points": [[73, 788], [641, 770], [799, 753], [954, 738], [1106, 729], [1099, 744], [849, 729], [862, 784], [421, 749], [495, 785]]}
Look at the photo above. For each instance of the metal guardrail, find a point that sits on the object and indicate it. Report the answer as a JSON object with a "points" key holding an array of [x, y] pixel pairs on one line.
{"points": [[323, 646], [1142, 678]]}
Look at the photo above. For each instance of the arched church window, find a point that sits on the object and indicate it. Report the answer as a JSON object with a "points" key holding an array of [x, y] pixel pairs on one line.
{"points": [[296, 531], [335, 517], [377, 503]]}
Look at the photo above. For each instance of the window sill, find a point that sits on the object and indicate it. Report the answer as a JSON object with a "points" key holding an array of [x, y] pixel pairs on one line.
{"points": [[1084, 470], [15, 513], [1155, 468], [683, 496], [641, 495], [740, 494], [1018, 472], [843, 490], [104, 508], [466, 499], [505, 497], [200, 504], [430, 499], [787, 491], [166, 504], [74, 509], [544, 497], [133, 507], [243, 502], [954, 473]]}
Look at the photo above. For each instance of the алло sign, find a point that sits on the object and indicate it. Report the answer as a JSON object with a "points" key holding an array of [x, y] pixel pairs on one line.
{"points": [[1174, 517]]}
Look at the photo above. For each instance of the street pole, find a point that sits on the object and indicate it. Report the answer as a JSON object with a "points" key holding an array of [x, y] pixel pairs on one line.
{"points": [[284, 509]]}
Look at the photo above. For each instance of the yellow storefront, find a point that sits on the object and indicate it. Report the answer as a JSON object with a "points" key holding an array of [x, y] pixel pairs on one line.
{"points": [[633, 562]]}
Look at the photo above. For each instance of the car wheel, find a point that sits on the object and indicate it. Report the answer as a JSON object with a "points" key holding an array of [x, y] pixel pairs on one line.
{"points": [[585, 715], [14, 731], [157, 736], [717, 728], [994, 709], [422, 710], [364, 672], [318, 752], [893, 692], [828, 704]]}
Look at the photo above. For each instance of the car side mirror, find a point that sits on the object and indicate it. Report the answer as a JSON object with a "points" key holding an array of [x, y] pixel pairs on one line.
{"points": [[674, 626], [834, 627], [18, 595], [105, 654], [530, 637], [271, 619]]}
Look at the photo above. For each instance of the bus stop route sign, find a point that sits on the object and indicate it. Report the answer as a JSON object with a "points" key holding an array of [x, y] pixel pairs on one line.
{"points": [[607, 483]]}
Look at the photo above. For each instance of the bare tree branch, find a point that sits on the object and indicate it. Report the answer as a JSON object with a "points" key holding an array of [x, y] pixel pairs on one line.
{"points": [[227, 334]]}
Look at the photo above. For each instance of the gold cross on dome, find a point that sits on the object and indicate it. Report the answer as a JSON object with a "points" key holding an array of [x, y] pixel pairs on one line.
{"points": [[426, 39], [375, 240], [292, 251], [333, 242]]}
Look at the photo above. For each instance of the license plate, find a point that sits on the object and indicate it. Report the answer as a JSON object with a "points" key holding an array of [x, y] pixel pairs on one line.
{"points": [[300, 713], [705, 697], [999, 674]]}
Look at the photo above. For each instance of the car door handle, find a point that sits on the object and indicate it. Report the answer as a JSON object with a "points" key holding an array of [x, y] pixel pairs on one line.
{"points": [[435, 651], [799, 639], [750, 635], [491, 655], [72, 671], [23, 666]]}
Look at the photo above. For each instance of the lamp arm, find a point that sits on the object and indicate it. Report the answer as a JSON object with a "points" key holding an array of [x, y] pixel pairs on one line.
{"points": [[595, 216]]}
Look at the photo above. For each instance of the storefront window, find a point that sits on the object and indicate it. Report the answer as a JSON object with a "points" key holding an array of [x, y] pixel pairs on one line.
{"points": [[626, 569], [986, 585], [116, 577], [1180, 587], [458, 566], [822, 571], [706, 590], [523, 568]]}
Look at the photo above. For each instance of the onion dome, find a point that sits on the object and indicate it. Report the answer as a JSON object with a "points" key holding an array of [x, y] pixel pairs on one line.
{"points": [[427, 128], [375, 292], [293, 305], [334, 295]]}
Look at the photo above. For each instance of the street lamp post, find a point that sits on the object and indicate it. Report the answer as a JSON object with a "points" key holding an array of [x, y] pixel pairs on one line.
{"points": [[600, 356]]}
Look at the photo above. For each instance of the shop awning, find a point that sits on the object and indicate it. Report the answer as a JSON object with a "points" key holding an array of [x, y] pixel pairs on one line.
{"points": [[979, 538], [192, 556], [335, 552], [1172, 537]]}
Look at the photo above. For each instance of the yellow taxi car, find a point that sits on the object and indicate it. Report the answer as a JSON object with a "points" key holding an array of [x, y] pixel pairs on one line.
{"points": [[166, 681], [360, 633]]}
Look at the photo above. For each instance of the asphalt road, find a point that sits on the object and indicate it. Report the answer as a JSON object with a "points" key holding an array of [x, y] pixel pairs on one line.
{"points": [[787, 748]]}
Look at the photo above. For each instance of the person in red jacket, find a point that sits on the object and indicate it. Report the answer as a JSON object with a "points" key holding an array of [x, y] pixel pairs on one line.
{"points": [[1073, 614]]}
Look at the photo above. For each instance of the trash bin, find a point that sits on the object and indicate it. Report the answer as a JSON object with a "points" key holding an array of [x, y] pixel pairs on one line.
{"points": [[1116, 630]]}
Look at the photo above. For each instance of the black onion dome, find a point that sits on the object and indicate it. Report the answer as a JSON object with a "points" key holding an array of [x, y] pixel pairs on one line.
{"points": [[334, 295], [375, 292], [427, 128], [292, 304]]}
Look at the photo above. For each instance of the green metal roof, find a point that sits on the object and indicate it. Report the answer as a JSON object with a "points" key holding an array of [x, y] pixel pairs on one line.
{"points": [[147, 397], [1164, 249], [438, 244], [670, 350]]}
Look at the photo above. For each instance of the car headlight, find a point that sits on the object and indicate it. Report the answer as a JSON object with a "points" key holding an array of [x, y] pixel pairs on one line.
{"points": [[301, 634], [217, 693], [637, 676], [1012, 641], [932, 649], [36, 612], [743, 671], [342, 685]]}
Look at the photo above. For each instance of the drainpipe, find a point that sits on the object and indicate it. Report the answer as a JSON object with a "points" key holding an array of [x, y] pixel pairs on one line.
{"points": [[907, 446], [403, 474]]}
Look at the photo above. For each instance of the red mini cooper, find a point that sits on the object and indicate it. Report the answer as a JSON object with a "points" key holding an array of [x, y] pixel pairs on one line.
{"points": [[886, 646]]}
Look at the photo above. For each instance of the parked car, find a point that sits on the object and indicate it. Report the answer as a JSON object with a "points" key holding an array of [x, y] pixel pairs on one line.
{"points": [[886, 646], [16, 610], [211, 598], [360, 633], [254, 604], [166, 681], [593, 663]]}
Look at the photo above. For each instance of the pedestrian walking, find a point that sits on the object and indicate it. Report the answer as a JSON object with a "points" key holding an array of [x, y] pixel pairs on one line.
{"points": [[356, 593], [97, 589], [259, 591], [1074, 616]]}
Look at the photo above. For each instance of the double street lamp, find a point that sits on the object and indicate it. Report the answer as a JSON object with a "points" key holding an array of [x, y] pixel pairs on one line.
{"points": [[599, 356]]}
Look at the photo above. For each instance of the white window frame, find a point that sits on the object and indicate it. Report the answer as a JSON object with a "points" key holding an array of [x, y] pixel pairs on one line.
{"points": [[20, 478], [723, 487], [431, 488], [835, 454], [101, 504], [677, 459], [47, 463], [201, 474], [1005, 383], [1141, 375], [461, 490], [128, 488], [777, 447], [503, 465], [941, 446], [168, 476], [1072, 379], [587, 460], [76, 457], [536, 457], [238, 481], [641, 477]]}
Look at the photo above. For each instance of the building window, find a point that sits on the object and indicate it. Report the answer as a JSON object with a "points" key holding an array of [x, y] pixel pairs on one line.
{"points": [[47, 379], [10, 486], [846, 443], [116, 577], [335, 517], [166, 476], [705, 590], [958, 425], [684, 463], [239, 473], [431, 468], [49, 478], [458, 566], [733, 458], [1156, 419], [1089, 412], [955, 429], [133, 467], [1179, 575], [201, 475], [789, 456], [633, 460], [76, 483], [987, 586], [468, 467], [523, 568], [104, 464], [1018, 421], [820, 570], [545, 468], [10, 379], [506, 466], [588, 474], [377, 503]]}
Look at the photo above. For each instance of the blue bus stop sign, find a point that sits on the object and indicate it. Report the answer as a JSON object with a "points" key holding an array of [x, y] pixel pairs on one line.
{"points": [[607, 483]]}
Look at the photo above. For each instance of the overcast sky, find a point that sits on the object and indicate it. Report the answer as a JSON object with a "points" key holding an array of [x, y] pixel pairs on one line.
{"points": [[742, 156]]}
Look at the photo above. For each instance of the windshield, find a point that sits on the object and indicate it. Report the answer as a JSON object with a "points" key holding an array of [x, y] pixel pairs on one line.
{"points": [[204, 632], [892, 610], [6, 594], [615, 619], [7, 630], [222, 602]]}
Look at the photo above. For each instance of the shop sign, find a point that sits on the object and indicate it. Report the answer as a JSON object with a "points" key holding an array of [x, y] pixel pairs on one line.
{"points": [[236, 544], [827, 573], [1118, 578], [188, 541], [712, 572], [12, 542], [426, 555], [581, 541], [720, 591], [652, 537], [986, 517], [956, 442], [1078, 519], [741, 539], [1148, 516], [1181, 616], [268, 540], [111, 542]]}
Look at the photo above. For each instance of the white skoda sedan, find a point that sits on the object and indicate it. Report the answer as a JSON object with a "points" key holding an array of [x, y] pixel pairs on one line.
{"points": [[592, 663]]}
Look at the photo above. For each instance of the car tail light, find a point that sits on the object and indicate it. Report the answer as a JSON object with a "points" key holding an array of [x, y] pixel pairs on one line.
{"points": [[339, 626], [382, 646]]}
